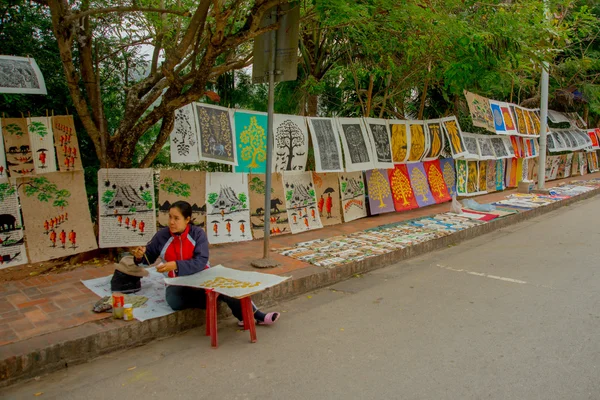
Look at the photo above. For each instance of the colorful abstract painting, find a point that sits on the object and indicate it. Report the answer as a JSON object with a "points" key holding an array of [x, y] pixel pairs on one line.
{"points": [[127, 215], [480, 110], [328, 197], [217, 137], [379, 191], [251, 137], [381, 143], [357, 148], [175, 185], [461, 177], [290, 150], [500, 166], [436, 180], [227, 207], [301, 201], [402, 191], [66, 143], [352, 193], [499, 125], [511, 172], [278, 221], [491, 176], [56, 214], [400, 141], [326, 144]]}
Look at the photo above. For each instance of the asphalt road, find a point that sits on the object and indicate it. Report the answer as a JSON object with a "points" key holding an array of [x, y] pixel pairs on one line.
{"points": [[511, 315]]}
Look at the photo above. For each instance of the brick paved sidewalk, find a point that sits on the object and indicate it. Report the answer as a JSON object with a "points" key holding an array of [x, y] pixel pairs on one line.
{"points": [[47, 304]]}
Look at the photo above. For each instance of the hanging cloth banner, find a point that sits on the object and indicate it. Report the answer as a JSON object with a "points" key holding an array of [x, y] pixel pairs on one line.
{"points": [[42, 144], [66, 143], [436, 139], [19, 157], [326, 144], [400, 140], [480, 110], [380, 137], [290, 149], [419, 141], [357, 149], [184, 138], [251, 137], [454, 135]]}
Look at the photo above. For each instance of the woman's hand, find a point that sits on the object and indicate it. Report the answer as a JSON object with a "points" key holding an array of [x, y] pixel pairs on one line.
{"points": [[138, 252], [166, 267]]}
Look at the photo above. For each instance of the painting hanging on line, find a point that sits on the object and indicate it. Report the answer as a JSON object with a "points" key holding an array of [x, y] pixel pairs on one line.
{"points": [[470, 141], [326, 144], [227, 207], [328, 197], [184, 138], [400, 135], [454, 136], [436, 180], [480, 110], [352, 192], [357, 149], [279, 218], [56, 214], [420, 184], [381, 144], [12, 242], [21, 75], [435, 138], [66, 143], [449, 173], [290, 150], [217, 137], [175, 185], [379, 191], [251, 137], [402, 191], [19, 158], [127, 215], [41, 138], [301, 202], [419, 141]]}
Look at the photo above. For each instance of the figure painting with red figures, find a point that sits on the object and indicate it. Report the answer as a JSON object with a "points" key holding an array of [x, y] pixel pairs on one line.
{"points": [[66, 143], [58, 223], [127, 216]]}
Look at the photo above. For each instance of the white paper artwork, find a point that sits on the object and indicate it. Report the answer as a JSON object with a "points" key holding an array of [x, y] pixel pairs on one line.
{"points": [[485, 147], [357, 150], [12, 248], [227, 207], [326, 144], [471, 146], [301, 201], [184, 136], [229, 282], [127, 215], [499, 146], [3, 170], [41, 138], [21, 75], [153, 288], [290, 148], [381, 142], [509, 147]]}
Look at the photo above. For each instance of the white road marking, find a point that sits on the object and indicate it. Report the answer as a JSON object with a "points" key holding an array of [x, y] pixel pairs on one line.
{"points": [[500, 278]]}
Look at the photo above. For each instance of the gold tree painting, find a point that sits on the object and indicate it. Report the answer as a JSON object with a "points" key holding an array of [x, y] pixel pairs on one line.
{"points": [[380, 194], [402, 192], [251, 134], [420, 185]]}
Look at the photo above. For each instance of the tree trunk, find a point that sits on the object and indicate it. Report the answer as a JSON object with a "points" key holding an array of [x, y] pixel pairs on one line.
{"points": [[313, 102]]}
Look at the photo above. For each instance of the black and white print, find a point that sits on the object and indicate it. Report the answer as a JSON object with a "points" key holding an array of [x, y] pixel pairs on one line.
{"points": [[12, 247], [499, 148], [356, 144], [379, 134], [184, 137], [290, 150], [485, 148], [326, 143], [470, 141], [550, 142], [21, 75]]}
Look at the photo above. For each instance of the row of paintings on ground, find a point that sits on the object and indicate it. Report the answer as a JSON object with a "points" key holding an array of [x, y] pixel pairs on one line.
{"points": [[38, 145], [230, 206]]}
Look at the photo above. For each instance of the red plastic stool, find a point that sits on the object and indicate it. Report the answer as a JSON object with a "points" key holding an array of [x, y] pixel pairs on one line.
{"points": [[211, 317]]}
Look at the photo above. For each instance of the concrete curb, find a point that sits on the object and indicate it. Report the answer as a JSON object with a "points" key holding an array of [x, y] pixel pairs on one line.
{"points": [[48, 353]]}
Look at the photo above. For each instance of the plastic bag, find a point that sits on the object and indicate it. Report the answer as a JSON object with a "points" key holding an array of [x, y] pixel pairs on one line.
{"points": [[473, 205], [455, 207]]}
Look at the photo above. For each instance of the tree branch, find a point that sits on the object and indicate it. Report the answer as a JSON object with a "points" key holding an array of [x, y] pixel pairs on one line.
{"points": [[122, 10]]}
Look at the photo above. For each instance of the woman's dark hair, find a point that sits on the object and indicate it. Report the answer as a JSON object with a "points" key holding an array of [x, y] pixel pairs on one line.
{"points": [[184, 208]]}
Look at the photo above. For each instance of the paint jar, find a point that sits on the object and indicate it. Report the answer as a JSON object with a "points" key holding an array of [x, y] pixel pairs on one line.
{"points": [[128, 312], [118, 302]]}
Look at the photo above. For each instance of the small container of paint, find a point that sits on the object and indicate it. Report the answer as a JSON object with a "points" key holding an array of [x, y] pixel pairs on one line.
{"points": [[128, 312], [118, 300]]}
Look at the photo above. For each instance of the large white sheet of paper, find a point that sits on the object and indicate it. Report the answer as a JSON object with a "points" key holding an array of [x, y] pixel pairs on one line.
{"points": [[185, 136], [21, 75], [357, 147], [229, 282], [153, 287]]}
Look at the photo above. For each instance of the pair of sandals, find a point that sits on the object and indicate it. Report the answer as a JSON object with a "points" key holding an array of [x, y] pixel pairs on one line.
{"points": [[270, 319]]}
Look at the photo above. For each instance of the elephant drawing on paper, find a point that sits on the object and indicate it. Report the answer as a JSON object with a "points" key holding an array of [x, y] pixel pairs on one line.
{"points": [[7, 222]]}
